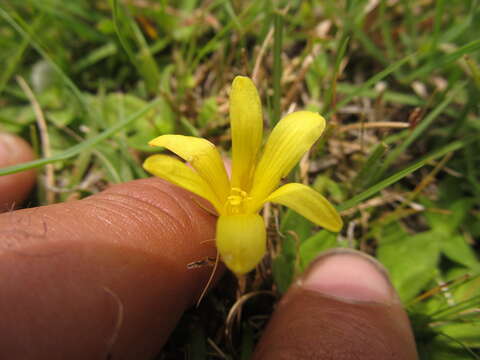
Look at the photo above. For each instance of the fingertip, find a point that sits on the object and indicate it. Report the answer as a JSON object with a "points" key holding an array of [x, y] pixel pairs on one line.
{"points": [[169, 224], [350, 276], [15, 188], [344, 307], [122, 256]]}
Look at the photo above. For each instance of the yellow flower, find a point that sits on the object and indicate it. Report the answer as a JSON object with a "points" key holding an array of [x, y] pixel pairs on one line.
{"points": [[241, 235]]}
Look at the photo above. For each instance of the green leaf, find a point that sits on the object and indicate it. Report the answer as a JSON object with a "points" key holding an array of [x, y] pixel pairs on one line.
{"points": [[61, 117], [135, 46], [296, 223], [448, 223], [283, 270], [295, 229], [27, 32], [248, 341], [422, 127], [440, 61], [371, 168], [371, 82], [197, 345], [329, 188], [403, 173], [411, 260], [314, 245], [447, 227], [208, 111], [456, 248], [442, 349], [87, 144], [466, 333]]}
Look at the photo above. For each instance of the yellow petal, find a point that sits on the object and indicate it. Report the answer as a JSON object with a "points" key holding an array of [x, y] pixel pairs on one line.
{"points": [[241, 241], [246, 127], [289, 140], [176, 172], [308, 203], [203, 156]]}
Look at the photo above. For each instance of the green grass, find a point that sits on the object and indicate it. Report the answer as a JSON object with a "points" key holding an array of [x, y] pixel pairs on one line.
{"points": [[110, 75]]}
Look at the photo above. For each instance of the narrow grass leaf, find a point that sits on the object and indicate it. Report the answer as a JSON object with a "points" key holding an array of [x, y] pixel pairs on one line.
{"points": [[371, 168], [421, 127], [439, 62], [405, 172], [372, 81], [277, 66], [20, 27], [143, 62], [77, 149], [331, 92]]}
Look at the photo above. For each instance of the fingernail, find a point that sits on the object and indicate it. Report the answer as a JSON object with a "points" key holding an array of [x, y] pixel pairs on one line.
{"points": [[351, 276]]}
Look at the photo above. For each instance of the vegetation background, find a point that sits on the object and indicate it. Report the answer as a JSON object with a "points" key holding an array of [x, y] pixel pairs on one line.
{"points": [[89, 82]]}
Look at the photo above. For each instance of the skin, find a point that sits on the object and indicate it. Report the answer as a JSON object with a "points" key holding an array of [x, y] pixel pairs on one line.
{"points": [[16, 187], [106, 277], [347, 316]]}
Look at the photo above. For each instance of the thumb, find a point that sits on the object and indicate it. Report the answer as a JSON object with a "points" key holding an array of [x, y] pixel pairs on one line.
{"points": [[343, 308], [103, 277]]}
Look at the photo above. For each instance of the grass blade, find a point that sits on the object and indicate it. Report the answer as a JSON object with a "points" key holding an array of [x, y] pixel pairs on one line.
{"points": [[405, 172], [144, 61], [441, 61], [77, 149], [20, 28], [277, 66], [422, 126], [372, 81]]}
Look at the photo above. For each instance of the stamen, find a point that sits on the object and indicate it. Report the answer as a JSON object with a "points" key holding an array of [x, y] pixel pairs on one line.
{"points": [[236, 201]]}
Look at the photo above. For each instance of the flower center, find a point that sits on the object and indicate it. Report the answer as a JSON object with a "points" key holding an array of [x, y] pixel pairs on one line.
{"points": [[236, 202]]}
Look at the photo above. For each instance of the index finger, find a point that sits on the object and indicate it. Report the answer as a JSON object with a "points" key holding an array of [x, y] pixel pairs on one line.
{"points": [[102, 276]]}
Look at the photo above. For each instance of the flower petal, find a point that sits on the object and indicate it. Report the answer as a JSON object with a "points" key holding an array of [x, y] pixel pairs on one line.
{"points": [[308, 203], [241, 241], [176, 172], [289, 140], [247, 128], [203, 156]]}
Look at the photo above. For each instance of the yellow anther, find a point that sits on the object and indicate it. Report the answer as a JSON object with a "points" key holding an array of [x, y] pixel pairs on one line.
{"points": [[235, 203], [237, 192]]}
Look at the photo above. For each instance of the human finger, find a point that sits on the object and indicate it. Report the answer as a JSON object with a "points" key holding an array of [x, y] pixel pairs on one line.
{"points": [[15, 188], [344, 307], [104, 277]]}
